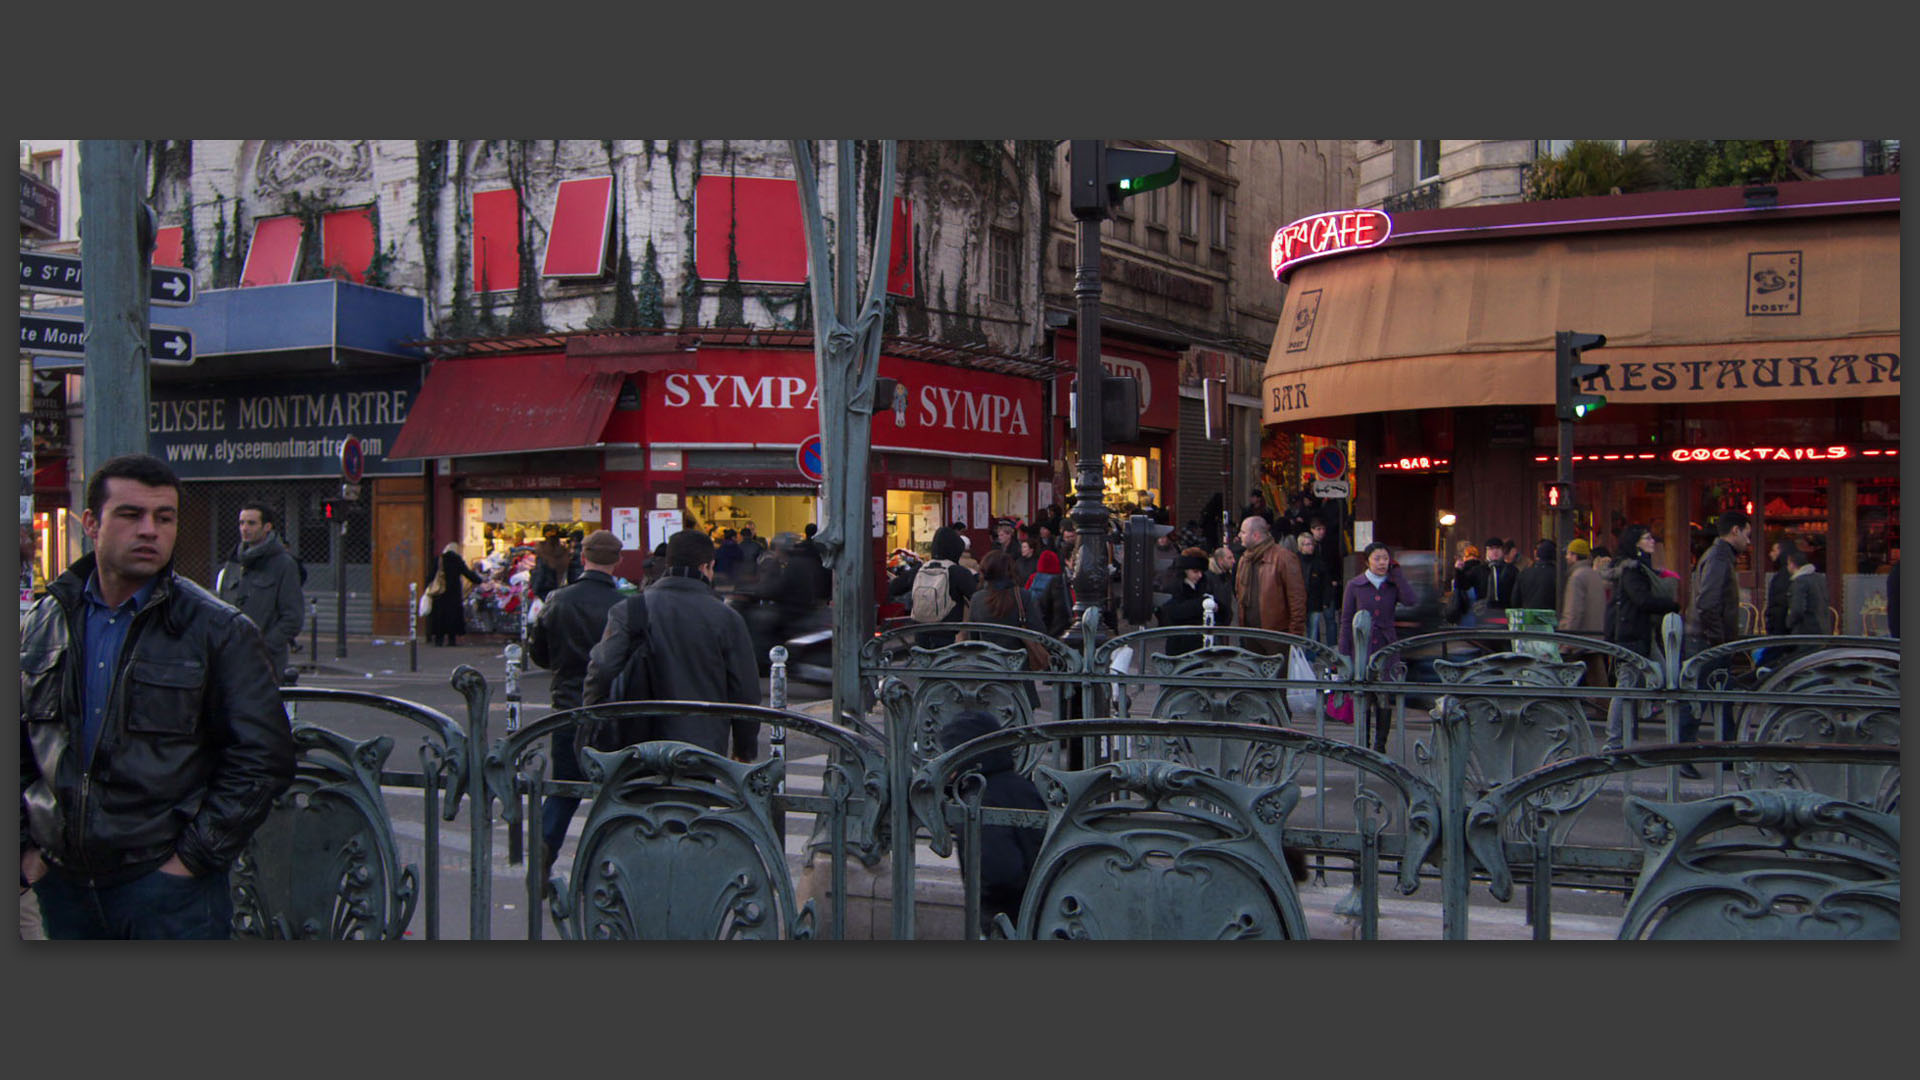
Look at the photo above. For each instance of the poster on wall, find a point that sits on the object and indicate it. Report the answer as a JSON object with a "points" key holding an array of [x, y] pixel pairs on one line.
{"points": [[493, 511], [960, 510], [626, 526], [879, 517], [926, 518], [982, 516], [660, 525], [1046, 493]]}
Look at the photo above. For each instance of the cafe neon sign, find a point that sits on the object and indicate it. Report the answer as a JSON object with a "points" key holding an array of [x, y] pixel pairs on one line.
{"points": [[1333, 233]]}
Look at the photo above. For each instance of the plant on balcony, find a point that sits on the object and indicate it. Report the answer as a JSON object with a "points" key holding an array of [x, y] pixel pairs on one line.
{"points": [[1593, 167]]}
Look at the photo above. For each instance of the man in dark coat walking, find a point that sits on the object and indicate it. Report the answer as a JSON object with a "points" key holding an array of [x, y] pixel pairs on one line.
{"points": [[263, 580], [561, 640], [1713, 609], [700, 651]]}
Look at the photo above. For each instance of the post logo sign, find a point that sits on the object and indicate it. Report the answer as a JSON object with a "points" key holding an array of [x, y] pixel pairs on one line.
{"points": [[1773, 283], [1333, 233]]}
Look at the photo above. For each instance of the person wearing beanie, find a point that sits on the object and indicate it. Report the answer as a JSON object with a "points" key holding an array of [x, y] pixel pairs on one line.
{"points": [[1048, 587], [946, 548]]}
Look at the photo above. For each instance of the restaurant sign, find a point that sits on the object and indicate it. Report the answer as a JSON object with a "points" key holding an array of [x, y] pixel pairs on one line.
{"points": [[1333, 233]]}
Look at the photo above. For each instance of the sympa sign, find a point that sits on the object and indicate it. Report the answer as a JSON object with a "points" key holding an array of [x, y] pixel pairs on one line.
{"points": [[1333, 233]]}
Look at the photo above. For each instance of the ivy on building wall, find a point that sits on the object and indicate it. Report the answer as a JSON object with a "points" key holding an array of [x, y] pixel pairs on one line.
{"points": [[226, 262], [525, 316], [430, 177], [462, 320], [652, 291]]}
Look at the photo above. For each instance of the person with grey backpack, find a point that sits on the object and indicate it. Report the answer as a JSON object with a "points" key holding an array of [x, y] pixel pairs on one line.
{"points": [[927, 601]]}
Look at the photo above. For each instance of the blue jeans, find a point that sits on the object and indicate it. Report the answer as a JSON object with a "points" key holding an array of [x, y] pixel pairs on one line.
{"points": [[155, 906], [556, 812], [1324, 626]]}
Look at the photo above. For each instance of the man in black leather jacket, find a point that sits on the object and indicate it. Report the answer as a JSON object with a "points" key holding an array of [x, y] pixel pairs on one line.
{"points": [[568, 628], [153, 738]]}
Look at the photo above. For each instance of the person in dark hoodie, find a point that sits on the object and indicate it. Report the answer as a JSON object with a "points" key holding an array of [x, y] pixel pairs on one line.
{"points": [[947, 546], [1807, 611], [1007, 852]]}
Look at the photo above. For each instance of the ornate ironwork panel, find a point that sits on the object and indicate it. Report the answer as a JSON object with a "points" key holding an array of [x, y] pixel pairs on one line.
{"points": [[1873, 672], [1765, 865], [1149, 850], [324, 864], [926, 688], [680, 845], [1506, 736]]}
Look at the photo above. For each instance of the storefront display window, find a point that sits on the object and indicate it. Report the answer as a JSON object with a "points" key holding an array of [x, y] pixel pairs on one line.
{"points": [[1012, 492], [766, 513], [912, 517], [496, 524], [1128, 476], [56, 544]]}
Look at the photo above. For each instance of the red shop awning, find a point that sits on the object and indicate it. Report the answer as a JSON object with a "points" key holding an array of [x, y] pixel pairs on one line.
{"points": [[508, 405]]}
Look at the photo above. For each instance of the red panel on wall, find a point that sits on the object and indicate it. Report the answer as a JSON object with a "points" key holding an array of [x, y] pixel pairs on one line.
{"points": [[274, 253], [496, 240], [762, 218], [167, 247], [900, 259], [346, 241], [582, 217]]}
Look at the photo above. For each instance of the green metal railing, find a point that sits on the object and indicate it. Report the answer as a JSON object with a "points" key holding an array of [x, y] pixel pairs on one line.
{"points": [[1195, 757]]}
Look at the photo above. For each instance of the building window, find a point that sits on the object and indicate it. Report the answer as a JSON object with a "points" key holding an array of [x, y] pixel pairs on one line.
{"points": [[1189, 208], [1005, 252], [1427, 161], [47, 168], [1217, 211], [1157, 207]]}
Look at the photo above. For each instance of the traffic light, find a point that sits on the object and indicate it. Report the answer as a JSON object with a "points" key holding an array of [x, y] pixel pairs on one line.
{"points": [[1570, 399], [1136, 568], [1120, 409], [1102, 177], [1559, 496], [333, 512]]}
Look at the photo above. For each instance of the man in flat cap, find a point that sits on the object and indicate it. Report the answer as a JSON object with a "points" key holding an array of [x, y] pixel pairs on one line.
{"points": [[569, 626]]}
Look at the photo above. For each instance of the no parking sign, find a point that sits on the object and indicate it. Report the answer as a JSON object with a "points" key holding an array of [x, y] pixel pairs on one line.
{"points": [[811, 457]]}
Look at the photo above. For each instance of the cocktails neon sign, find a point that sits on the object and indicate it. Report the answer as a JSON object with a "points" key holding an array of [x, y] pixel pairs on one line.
{"points": [[1331, 233], [1687, 455]]}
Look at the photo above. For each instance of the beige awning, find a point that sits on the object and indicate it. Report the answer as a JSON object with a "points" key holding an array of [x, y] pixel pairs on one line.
{"points": [[1800, 308]]}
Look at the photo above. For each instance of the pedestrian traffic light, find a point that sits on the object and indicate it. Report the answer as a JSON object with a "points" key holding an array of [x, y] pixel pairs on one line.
{"points": [[1102, 177], [1570, 398], [332, 513], [1137, 568], [1559, 496], [1120, 409]]}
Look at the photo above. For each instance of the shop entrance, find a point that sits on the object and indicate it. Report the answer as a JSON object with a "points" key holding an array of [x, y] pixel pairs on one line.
{"points": [[500, 526]]}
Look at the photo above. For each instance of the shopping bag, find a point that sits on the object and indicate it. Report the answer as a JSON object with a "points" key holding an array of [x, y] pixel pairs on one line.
{"points": [[1300, 669], [425, 605]]}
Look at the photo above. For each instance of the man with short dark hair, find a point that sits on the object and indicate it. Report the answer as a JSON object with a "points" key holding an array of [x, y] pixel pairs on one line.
{"points": [[700, 651], [153, 740], [263, 581], [1501, 577], [1321, 622], [571, 622], [1713, 611]]}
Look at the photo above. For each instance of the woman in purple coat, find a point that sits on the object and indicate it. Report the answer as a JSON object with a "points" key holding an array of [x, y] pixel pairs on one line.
{"points": [[1378, 591]]}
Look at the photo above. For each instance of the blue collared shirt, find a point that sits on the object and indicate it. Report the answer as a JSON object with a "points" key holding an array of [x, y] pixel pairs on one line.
{"points": [[103, 635]]}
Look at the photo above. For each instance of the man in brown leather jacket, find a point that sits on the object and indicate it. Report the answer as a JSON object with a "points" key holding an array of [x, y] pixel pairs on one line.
{"points": [[1269, 589]]}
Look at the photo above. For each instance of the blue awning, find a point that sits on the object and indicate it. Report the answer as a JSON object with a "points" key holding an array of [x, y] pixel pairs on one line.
{"points": [[327, 314]]}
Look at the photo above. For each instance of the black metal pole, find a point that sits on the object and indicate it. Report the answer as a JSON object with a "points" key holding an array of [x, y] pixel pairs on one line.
{"points": [[1089, 504], [340, 588]]}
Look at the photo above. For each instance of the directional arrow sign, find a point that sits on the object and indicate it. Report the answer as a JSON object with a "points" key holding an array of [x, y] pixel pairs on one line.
{"points": [[170, 344], [41, 272], [52, 335]]}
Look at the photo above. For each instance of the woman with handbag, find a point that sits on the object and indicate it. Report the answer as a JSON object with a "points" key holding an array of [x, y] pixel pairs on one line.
{"points": [[1002, 601], [447, 617]]}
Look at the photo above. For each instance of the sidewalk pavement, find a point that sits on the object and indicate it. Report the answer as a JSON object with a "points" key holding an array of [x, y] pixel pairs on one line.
{"points": [[374, 656]]}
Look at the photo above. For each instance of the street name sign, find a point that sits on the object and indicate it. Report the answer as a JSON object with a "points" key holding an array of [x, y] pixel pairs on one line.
{"points": [[53, 335], [42, 272]]}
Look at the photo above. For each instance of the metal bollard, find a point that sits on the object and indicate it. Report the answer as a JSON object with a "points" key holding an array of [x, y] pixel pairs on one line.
{"points": [[513, 687], [1207, 607], [313, 631], [413, 626], [777, 738]]}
